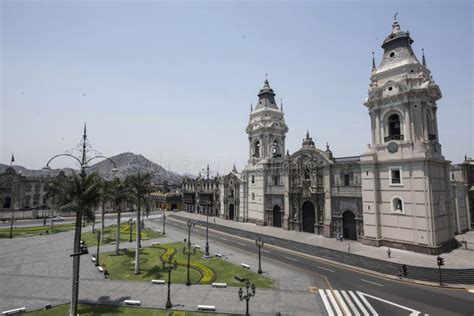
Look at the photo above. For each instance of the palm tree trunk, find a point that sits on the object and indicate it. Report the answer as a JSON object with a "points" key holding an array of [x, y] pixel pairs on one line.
{"points": [[137, 247], [93, 222], [117, 236], [102, 224]]}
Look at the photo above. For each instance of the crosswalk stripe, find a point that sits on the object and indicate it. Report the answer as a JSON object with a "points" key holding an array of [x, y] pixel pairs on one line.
{"points": [[361, 295], [361, 307], [334, 303], [326, 303], [343, 304], [349, 301]]}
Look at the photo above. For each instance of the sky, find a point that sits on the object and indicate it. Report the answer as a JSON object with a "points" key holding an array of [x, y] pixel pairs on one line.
{"points": [[173, 81]]}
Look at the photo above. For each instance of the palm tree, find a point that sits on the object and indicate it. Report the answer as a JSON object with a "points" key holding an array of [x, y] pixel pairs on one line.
{"points": [[73, 198], [120, 193], [54, 190], [105, 196], [140, 186]]}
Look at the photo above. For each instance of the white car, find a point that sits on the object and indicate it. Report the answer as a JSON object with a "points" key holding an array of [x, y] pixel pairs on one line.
{"points": [[58, 218]]}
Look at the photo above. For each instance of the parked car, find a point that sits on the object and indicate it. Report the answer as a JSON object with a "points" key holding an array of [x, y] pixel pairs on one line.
{"points": [[58, 218]]}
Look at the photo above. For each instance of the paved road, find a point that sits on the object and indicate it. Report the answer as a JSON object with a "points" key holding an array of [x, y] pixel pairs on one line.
{"points": [[379, 293]]}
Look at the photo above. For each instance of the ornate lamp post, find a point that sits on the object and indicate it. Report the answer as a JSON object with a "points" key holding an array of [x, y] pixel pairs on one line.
{"points": [[248, 295], [190, 224], [168, 266], [83, 160], [130, 222], [97, 253], [164, 220], [207, 232], [259, 243]]}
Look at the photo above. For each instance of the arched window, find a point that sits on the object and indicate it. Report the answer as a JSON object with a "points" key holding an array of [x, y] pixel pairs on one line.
{"points": [[256, 149], [253, 196], [394, 125], [231, 193], [397, 205], [430, 126], [253, 179], [275, 149]]}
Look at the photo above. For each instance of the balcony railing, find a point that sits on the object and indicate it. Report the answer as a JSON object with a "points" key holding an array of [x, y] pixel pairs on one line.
{"points": [[393, 137], [432, 136]]}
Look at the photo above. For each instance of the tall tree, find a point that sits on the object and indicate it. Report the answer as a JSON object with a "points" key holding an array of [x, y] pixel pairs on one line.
{"points": [[54, 191], [105, 196], [140, 187], [120, 194]]}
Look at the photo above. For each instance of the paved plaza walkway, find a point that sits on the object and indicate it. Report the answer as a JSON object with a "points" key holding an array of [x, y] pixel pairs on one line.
{"points": [[458, 259], [36, 271]]}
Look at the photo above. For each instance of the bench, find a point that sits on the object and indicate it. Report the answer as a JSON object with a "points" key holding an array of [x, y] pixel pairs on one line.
{"points": [[210, 308], [218, 254], [246, 266], [14, 311], [100, 269], [132, 302], [158, 281], [93, 259], [155, 244], [197, 246], [215, 284]]}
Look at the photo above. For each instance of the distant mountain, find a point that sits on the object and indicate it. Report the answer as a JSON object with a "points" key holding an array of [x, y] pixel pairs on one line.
{"points": [[130, 163], [127, 164]]}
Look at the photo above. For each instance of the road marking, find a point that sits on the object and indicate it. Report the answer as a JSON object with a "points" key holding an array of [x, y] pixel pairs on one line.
{"points": [[378, 284], [242, 244], [361, 295], [348, 300], [224, 239], [343, 305], [361, 307], [334, 303], [326, 303], [265, 251], [289, 258], [413, 312], [325, 269]]}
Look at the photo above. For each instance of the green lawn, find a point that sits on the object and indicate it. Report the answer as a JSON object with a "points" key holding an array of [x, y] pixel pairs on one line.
{"points": [[35, 230], [110, 231], [107, 310], [203, 271]]}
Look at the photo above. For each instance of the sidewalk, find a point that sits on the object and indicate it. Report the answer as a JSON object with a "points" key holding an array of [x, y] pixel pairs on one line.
{"points": [[457, 259]]}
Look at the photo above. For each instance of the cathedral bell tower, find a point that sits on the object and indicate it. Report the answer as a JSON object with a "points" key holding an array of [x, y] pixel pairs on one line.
{"points": [[405, 180], [266, 128], [262, 191]]}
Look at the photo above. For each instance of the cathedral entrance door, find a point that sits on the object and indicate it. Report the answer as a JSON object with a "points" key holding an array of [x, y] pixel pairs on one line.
{"points": [[277, 216], [231, 212], [349, 225], [7, 203], [309, 217]]}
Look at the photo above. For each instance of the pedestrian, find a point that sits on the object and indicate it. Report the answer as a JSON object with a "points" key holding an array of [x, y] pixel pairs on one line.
{"points": [[389, 252], [404, 268], [400, 273], [348, 247], [44, 222], [214, 220]]}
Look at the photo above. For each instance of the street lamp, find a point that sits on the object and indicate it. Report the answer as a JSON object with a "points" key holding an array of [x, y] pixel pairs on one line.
{"points": [[168, 266], [164, 220], [190, 224], [130, 222], [207, 232], [259, 243], [97, 254], [83, 163], [11, 226], [248, 295]]}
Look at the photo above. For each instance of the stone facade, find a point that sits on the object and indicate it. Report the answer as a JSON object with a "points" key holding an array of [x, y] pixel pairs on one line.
{"points": [[201, 195], [398, 193]]}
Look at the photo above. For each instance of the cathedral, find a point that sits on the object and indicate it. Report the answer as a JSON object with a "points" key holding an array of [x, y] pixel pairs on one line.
{"points": [[398, 193]]}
